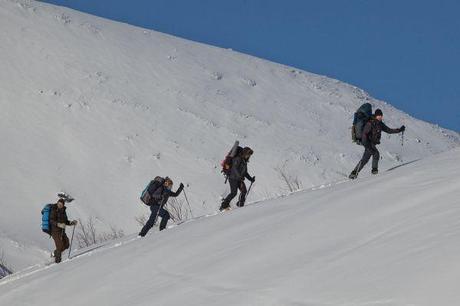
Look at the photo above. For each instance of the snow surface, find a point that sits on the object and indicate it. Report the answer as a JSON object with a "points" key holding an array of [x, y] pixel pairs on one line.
{"points": [[389, 240], [97, 108]]}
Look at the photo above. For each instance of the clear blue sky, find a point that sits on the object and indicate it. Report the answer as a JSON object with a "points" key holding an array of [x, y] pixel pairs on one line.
{"points": [[405, 52]]}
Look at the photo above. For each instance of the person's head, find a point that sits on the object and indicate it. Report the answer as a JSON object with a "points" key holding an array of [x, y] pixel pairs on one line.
{"points": [[60, 203], [168, 183], [246, 153], [378, 114]]}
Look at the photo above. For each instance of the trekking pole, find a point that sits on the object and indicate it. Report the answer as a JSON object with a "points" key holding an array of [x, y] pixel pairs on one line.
{"points": [[249, 189], [402, 144], [71, 240], [189, 207]]}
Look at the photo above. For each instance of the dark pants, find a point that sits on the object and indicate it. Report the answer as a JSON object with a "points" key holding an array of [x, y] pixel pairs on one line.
{"points": [[164, 214], [234, 186], [368, 152], [62, 243]]}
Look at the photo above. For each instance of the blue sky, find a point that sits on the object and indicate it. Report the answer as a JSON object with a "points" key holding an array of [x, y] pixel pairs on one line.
{"points": [[405, 52]]}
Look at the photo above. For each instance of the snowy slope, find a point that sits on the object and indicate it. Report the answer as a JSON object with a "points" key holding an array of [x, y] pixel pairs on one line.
{"points": [[390, 240], [97, 108]]}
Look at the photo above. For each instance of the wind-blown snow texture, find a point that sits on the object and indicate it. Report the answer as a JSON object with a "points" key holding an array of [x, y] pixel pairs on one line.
{"points": [[387, 240], [97, 108]]}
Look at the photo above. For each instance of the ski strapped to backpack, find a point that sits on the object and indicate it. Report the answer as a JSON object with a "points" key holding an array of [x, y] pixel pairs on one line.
{"points": [[152, 186], [46, 225], [66, 197], [227, 162], [361, 117]]}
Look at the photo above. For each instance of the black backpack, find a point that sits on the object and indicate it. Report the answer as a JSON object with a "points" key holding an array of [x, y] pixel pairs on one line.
{"points": [[361, 117], [227, 162], [152, 186]]}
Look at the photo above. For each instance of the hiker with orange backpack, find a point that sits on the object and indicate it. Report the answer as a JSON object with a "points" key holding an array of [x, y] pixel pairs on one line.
{"points": [[236, 172]]}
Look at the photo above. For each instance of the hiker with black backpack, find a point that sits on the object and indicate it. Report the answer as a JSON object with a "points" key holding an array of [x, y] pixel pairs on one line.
{"points": [[156, 195], [369, 137], [237, 173], [58, 221]]}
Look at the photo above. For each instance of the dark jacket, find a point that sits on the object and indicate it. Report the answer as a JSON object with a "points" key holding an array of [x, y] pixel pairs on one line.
{"points": [[58, 216], [161, 195], [239, 169], [373, 132]]}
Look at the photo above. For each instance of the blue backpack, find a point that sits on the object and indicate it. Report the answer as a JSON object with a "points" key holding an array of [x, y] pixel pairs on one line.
{"points": [[46, 225]]}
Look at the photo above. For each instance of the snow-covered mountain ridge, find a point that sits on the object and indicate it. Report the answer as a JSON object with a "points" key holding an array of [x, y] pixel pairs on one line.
{"points": [[97, 108]]}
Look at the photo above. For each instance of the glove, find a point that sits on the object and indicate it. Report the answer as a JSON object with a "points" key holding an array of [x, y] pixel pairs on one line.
{"points": [[61, 225], [74, 222], [253, 179], [181, 186], [402, 128]]}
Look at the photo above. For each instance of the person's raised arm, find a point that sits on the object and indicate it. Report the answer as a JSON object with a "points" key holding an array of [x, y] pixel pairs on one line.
{"points": [[178, 191]]}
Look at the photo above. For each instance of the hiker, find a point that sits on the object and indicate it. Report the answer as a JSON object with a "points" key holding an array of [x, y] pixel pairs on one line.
{"points": [[238, 172], [158, 195], [58, 222], [370, 138]]}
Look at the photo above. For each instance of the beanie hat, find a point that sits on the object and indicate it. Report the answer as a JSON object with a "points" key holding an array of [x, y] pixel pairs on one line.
{"points": [[378, 112], [247, 151]]}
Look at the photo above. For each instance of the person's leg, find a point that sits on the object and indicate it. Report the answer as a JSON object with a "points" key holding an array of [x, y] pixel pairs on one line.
{"points": [[243, 192], [233, 192], [164, 214], [59, 245], [65, 242], [151, 221], [366, 156], [375, 161]]}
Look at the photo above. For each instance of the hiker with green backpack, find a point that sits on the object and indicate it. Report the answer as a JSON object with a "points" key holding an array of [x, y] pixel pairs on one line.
{"points": [[367, 130], [156, 195]]}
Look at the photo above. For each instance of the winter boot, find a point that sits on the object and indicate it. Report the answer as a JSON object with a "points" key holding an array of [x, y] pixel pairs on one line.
{"points": [[241, 200], [353, 175], [224, 206], [57, 257], [375, 171], [163, 223]]}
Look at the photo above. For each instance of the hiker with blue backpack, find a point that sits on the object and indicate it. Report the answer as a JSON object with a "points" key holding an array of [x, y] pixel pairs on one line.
{"points": [[367, 131], [58, 221], [156, 195]]}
